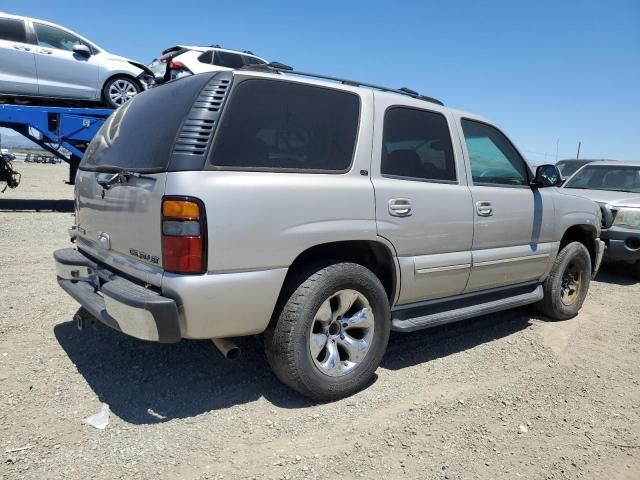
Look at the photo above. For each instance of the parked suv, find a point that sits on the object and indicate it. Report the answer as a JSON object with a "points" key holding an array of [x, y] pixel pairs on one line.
{"points": [[182, 61], [40, 59], [322, 214]]}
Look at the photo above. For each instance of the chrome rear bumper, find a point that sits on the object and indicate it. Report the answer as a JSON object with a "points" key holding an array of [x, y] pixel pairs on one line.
{"points": [[116, 301]]}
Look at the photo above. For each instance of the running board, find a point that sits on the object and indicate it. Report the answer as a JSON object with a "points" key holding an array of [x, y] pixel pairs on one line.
{"points": [[410, 319]]}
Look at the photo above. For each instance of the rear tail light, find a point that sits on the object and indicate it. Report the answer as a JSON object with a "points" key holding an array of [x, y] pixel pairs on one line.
{"points": [[176, 64], [184, 235]]}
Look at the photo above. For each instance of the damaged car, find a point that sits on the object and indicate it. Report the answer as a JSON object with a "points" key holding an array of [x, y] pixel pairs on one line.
{"points": [[42, 60]]}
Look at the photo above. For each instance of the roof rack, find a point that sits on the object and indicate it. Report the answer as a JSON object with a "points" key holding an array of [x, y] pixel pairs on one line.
{"points": [[278, 67]]}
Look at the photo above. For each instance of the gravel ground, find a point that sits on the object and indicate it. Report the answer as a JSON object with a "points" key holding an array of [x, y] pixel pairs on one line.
{"points": [[503, 396]]}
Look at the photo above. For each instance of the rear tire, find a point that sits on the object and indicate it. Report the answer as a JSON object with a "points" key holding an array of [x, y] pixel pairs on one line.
{"points": [[330, 331], [567, 284], [118, 90]]}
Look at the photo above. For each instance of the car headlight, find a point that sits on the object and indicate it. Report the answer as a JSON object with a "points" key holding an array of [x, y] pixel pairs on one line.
{"points": [[628, 217]]}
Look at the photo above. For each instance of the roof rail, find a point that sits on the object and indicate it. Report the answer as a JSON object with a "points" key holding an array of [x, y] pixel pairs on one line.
{"points": [[278, 67], [248, 51]]}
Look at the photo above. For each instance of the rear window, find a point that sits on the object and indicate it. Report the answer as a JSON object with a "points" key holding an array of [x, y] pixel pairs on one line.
{"points": [[287, 126], [12, 30], [141, 134]]}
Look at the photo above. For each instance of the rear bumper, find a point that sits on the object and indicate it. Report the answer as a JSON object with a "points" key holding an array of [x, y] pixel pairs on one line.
{"points": [[115, 301], [622, 244]]}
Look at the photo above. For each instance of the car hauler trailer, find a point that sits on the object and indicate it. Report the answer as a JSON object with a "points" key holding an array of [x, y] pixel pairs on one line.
{"points": [[63, 131]]}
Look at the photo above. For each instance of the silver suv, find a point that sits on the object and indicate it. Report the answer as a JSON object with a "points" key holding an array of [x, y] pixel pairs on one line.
{"points": [[320, 213]]}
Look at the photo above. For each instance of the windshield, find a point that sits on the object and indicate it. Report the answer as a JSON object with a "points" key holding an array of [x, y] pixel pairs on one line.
{"points": [[607, 177], [568, 168]]}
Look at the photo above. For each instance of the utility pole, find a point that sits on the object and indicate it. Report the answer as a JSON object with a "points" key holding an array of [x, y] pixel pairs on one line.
{"points": [[578, 154]]}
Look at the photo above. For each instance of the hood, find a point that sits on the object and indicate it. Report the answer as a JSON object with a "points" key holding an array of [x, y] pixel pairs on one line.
{"points": [[616, 199]]}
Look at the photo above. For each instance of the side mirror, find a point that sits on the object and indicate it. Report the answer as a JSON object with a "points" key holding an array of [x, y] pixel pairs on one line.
{"points": [[82, 50], [547, 176]]}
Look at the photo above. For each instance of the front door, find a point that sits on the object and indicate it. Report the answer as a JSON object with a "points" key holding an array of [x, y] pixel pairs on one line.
{"points": [[17, 60], [423, 205], [512, 240], [62, 72]]}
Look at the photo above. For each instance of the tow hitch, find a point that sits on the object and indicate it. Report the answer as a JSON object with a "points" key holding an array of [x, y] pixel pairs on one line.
{"points": [[83, 319]]}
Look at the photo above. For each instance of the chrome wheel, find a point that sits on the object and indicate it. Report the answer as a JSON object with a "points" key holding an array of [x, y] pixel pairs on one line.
{"points": [[341, 333], [572, 281], [121, 91]]}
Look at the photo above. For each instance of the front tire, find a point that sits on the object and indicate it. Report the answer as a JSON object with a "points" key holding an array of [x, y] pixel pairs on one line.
{"points": [[119, 90], [329, 335], [567, 284]]}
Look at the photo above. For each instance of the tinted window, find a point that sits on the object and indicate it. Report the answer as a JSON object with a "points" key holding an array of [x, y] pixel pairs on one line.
{"points": [[206, 57], [417, 144], [12, 30], [284, 125], [252, 60], [229, 60], [493, 159], [53, 37], [621, 179]]}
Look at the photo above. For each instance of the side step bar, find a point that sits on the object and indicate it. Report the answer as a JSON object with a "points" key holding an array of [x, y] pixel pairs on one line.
{"points": [[410, 319]]}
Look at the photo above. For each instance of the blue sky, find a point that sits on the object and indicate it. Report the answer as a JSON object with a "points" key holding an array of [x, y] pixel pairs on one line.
{"points": [[547, 71]]}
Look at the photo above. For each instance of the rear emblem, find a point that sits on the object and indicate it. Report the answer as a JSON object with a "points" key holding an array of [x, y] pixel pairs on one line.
{"points": [[104, 241]]}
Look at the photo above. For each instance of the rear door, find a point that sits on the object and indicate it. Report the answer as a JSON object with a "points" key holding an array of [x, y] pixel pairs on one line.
{"points": [[61, 72], [512, 240], [17, 59], [423, 205]]}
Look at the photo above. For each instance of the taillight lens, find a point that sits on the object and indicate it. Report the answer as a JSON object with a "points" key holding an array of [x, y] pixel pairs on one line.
{"points": [[176, 64], [183, 235]]}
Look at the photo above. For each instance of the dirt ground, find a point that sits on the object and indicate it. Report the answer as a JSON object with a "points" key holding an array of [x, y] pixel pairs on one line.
{"points": [[503, 396]]}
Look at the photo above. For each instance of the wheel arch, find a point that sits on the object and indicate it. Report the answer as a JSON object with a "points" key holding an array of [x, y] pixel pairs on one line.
{"points": [[585, 234], [376, 255]]}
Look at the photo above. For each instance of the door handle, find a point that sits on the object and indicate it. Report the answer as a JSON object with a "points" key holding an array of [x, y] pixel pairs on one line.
{"points": [[400, 207], [46, 52], [484, 209], [22, 47]]}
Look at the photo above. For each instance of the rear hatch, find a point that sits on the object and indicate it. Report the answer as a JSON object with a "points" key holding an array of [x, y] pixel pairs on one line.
{"points": [[121, 180]]}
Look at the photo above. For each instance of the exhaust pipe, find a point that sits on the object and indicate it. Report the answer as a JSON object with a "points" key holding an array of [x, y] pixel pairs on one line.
{"points": [[227, 347]]}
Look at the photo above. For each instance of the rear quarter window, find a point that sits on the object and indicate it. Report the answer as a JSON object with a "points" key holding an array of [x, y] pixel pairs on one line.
{"points": [[12, 30], [286, 126]]}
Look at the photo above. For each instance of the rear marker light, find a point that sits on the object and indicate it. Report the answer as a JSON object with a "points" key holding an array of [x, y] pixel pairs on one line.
{"points": [[183, 235]]}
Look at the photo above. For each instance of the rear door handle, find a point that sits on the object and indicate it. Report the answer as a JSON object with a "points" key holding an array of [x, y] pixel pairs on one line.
{"points": [[400, 207], [484, 209], [22, 47]]}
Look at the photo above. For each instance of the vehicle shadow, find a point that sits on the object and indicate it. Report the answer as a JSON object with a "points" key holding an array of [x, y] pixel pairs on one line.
{"points": [[146, 382], [408, 349], [616, 273], [34, 205]]}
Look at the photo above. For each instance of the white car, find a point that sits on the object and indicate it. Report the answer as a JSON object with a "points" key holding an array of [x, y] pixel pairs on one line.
{"points": [[39, 59], [183, 60]]}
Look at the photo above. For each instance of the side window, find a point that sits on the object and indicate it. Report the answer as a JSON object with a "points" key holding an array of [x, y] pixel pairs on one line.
{"points": [[417, 144], [206, 57], [251, 60], [52, 37], [227, 59], [12, 30], [493, 159], [281, 125]]}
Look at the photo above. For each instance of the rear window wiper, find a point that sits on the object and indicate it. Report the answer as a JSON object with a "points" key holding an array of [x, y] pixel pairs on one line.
{"points": [[119, 177]]}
